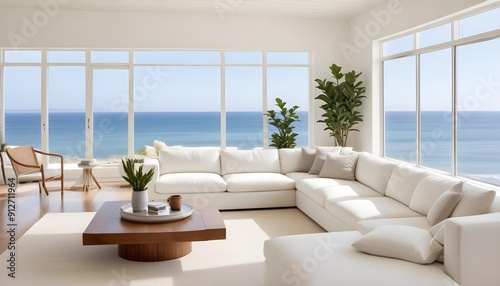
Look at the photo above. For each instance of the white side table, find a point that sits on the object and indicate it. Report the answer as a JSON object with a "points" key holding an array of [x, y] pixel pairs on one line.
{"points": [[85, 181]]}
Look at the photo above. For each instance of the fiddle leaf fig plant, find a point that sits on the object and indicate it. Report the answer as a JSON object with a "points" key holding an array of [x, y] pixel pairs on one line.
{"points": [[341, 99], [135, 176], [284, 137]]}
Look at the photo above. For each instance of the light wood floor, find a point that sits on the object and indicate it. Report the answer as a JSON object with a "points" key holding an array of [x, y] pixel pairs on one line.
{"points": [[30, 205]]}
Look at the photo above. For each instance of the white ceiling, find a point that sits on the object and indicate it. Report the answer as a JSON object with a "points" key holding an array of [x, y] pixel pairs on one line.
{"points": [[322, 9]]}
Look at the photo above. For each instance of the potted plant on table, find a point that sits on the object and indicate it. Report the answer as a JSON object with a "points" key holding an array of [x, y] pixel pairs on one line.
{"points": [[284, 137], [135, 176], [341, 100]]}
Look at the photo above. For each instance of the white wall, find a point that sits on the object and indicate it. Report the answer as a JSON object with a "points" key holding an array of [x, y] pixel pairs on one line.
{"points": [[105, 29], [390, 17]]}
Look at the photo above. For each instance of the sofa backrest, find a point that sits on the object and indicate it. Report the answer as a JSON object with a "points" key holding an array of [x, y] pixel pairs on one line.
{"points": [[250, 161], [374, 171], [476, 200], [296, 160], [430, 188], [403, 182], [190, 161]]}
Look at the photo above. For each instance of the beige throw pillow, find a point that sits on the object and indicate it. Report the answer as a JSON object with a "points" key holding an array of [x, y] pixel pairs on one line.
{"points": [[319, 159], [308, 155], [399, 241], [475, 201], [443, 207], [339, 166]]}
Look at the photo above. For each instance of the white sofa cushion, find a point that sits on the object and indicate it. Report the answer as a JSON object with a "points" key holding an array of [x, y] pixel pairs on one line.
{"points": [[250, 161], [256, 182], [319, 159], [189, 161], [443, 206], [352, 210], [327, 259], [294, 160], [188, 183], [374, 171], [365, 226], [339, 166], [400, 241], [319, 195], [299, 176], [307, 185], [429, 189], [403, 182], [475, 201]]}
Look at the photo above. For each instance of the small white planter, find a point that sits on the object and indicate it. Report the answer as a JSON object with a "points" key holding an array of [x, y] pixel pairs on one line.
{"points": [[139, 201]]}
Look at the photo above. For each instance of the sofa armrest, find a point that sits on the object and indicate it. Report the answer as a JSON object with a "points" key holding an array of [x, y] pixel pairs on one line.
{"points": [[472, 249], [152, 163]]}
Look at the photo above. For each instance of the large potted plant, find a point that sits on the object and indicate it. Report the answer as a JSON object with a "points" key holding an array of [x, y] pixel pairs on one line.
{"points": [[284, 137], [134, 175], [341, 100]]}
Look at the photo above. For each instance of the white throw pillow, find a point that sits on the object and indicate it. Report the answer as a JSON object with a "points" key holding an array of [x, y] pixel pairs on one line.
{"points": [[319, 159], [474, 201], [443, 207], [339, 166], [429, 189], [399, 241]]}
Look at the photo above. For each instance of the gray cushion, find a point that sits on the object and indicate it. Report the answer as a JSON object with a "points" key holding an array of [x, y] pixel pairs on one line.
{"points": [[339, 166]]}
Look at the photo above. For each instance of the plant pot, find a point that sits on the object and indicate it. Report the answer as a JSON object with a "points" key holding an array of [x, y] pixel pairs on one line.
{"points": [[139, 201]]}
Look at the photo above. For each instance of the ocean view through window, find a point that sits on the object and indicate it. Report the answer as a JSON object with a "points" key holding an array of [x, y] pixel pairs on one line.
{"points": [[442, 98], [109, 104]]}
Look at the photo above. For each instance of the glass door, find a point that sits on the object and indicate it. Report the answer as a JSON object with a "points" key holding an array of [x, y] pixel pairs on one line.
{"points": [[109, 114]]}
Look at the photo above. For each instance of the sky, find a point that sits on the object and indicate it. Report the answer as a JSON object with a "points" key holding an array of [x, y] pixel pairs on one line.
{"points": [[191, 81]]}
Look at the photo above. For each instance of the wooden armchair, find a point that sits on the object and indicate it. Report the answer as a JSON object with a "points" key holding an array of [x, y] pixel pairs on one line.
{"points": [[27, 168]]}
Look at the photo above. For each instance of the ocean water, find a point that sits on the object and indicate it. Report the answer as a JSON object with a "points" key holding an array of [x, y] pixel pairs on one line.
{"points": [[478, 133], [244, 130], [478, 142]]}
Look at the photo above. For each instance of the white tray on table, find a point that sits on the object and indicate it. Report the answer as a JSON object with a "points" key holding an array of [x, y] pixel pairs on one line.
{"points": [[167, 215]]}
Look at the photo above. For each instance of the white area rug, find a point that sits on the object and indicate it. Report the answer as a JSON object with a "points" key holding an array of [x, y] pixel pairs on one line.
{"points": [[51, 253]]}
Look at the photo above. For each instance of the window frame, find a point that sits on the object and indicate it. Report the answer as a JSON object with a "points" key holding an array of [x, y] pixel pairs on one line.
{"points": [[455, 42], [130, 65]]}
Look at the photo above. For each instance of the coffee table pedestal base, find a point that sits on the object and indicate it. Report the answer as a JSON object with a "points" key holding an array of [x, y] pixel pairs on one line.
{"points": [[154, 252]]}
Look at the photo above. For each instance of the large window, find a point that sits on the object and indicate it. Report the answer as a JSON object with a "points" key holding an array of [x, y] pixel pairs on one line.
{"points": [[400, 109], [442, 97], [478, 111], [107, 104]]}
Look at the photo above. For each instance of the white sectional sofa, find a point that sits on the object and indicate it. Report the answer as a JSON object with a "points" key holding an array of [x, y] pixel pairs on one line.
{"points": [[229, 179], [387, 221]]}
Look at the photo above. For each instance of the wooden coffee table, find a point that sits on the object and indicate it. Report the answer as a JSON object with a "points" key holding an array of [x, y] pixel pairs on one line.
{"points": [[153, 242]]}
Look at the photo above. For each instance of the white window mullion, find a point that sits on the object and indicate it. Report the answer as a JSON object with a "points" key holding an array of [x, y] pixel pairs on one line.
{"points": [[310, 137], [88, 108], [265, 129], [454, 109], [2, 99], [44, 107], [131, 105], [417, 109], [223, 117]]}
